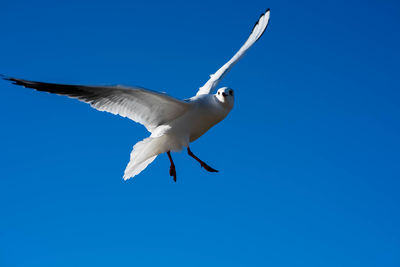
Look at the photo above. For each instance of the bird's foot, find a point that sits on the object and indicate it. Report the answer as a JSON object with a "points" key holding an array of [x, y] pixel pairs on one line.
{"points": [[172, 172], [207, 168], [202, 163]]}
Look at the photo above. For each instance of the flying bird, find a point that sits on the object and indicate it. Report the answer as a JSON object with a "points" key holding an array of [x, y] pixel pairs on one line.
{"points": [[173, 123]]}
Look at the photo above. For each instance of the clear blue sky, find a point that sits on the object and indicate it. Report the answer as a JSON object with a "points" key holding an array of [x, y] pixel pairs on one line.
{"points": [[308, 159]]}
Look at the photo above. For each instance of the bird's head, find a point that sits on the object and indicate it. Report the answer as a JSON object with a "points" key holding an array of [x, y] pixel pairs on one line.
{"points": [[226, 96]]}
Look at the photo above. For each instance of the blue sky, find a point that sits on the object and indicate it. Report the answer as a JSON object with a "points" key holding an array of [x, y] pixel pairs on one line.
{"points": [[308, 158]]}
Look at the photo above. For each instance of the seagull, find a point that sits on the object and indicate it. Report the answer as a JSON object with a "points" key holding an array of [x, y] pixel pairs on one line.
{"points": [[173, 123]]}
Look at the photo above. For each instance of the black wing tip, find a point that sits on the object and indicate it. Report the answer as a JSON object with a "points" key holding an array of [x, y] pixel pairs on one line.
{"points": [[263, 14], [266, 11], [4, 77], [21, 82], [13, 80], [7, 78]]}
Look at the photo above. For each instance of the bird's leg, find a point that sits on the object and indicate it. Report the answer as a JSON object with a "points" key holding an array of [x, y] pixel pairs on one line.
{"points": [[172, 171], [202, 163]]}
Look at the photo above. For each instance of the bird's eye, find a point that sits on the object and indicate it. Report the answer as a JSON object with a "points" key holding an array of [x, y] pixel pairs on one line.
{"points": [[230, 92], [219, 92]]}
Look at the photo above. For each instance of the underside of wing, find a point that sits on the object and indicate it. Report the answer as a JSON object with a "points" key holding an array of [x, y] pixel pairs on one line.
{"points": [[255, 34], [141, 105]]}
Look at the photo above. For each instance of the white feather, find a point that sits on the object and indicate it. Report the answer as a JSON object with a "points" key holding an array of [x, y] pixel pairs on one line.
{"points": [[141, 105], [255, 34], [144, 152]]}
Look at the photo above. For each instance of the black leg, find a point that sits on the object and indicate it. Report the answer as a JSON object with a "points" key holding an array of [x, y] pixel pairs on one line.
{"points": [[202, 163], [172, 171]]}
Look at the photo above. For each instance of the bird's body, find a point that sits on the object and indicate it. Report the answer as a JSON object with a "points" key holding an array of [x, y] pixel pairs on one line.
{"points": [[173, 123], [205, 112]]}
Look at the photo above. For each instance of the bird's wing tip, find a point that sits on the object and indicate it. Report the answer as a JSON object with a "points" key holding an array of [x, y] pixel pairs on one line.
{"points": [[267, 11], [4, 77]]}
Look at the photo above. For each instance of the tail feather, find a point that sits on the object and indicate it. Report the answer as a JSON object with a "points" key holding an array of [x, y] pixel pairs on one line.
{"points": [[143, 153], [134, 169]]}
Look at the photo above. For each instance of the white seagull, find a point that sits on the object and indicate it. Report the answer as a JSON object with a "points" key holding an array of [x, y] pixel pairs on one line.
{"points": [[173, 123]]}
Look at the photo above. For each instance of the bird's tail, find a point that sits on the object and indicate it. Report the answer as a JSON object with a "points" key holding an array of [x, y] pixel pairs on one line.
{"points": [[143, 153]]}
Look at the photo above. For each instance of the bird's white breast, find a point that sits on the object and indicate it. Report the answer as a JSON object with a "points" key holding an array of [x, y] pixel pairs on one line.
{"points": [[206, 111]]}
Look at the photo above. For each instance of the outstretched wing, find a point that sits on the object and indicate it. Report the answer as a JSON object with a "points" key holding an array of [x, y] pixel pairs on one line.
{"points": [[255, 34], [138, 104]]}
